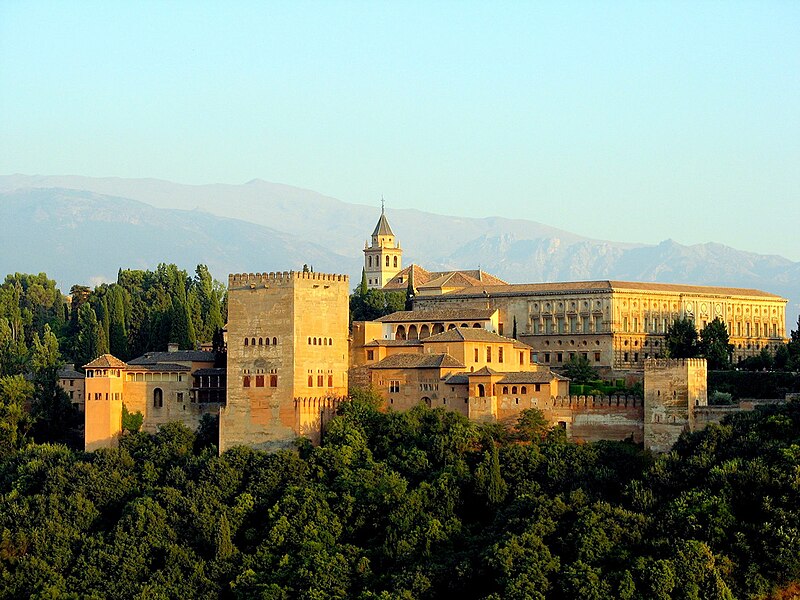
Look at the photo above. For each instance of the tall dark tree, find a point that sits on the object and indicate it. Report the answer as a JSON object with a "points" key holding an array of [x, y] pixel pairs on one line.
{"points": [[87, 342], [715, 346], [681, 340]]}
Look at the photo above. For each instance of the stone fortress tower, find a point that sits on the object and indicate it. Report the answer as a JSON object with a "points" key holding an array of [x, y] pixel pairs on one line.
{"points": [[383, 258], [287, 357], [673, 389]]}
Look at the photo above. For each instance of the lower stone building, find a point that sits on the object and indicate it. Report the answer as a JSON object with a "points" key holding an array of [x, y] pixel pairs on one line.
{"points": [[163, 386], [71, 381]]}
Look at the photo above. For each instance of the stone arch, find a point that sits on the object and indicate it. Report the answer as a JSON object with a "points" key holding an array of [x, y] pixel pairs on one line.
{"points": [[426, 400], [438, 328], [424, 332], [451, 326], [523, 390], [412, 332], [464, 325], [158, 398], [400, 332], [481, 390], [476, 325]]}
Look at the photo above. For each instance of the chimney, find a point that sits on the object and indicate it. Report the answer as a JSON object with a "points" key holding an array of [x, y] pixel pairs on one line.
{"points": [[172, 347]]}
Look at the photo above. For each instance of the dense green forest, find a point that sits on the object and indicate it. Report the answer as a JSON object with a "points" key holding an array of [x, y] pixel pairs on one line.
{"points": [[142, 311], [422, 504]]}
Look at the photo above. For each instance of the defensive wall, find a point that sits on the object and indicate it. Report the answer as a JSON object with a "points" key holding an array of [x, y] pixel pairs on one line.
{"points": [[595, 418]]}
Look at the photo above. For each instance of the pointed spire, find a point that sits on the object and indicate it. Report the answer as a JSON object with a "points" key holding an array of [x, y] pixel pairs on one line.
{"points": [[382, 228], [383, 205]]}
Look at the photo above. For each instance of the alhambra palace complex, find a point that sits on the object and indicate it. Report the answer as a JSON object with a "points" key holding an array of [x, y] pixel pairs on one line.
{"points": [[472, 344]]}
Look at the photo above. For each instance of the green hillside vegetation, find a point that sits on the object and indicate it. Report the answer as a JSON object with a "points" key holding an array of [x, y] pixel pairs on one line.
{"points": [[422, 504]]}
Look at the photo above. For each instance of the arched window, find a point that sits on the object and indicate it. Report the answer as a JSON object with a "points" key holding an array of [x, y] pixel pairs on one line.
{"points": [[260, 341], [481, 391], [438, 328], [330, 341], [424, 332], [274, 341], [513, 389], [246, 341], [505, 389], [369, 261], [266, 342], [309, 341], [395, 261], [158, 398], [387, 261], [412, 332], [324, 341], [310, 381], [524, 390], [252, 341]]}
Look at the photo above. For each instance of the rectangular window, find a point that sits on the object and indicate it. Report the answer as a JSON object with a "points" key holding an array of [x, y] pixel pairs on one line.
{"points": [[476, 355], [488, 354], [370, 354], [548, 326], [536, 326], [537, 387], [310, 381], [499, 355], [560, 324], [179, 396], [330, 380], [596, 357], [394, 386], [559, 357], [547, 357], [636, 323], [625, 324], [246, 381], [573, 324], [71, 394], [587, 326], [259, 381], [273, 381], [500, 328], [598, 324], [320, 380]]}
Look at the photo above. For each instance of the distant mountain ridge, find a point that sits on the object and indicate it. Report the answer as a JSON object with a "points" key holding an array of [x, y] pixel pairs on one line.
{"points": [[107, 223]]}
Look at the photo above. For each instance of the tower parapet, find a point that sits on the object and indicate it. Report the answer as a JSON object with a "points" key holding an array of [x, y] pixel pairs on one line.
{"points": [[673, 388], [239, 280]]}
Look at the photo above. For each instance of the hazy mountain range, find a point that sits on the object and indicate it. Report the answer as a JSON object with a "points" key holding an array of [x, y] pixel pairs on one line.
{"points": [[81, 230]]}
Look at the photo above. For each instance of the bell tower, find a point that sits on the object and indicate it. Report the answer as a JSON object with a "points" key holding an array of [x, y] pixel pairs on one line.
{"points": [[383, 258]]}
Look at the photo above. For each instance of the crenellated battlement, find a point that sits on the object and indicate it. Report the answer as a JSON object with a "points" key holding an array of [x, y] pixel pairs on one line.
{"points": [[579, 402], [280, 277], [651, 364]]}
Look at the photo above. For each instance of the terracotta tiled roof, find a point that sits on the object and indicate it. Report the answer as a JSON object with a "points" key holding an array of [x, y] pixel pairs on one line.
{"points": [[439, 314], [69, 372], [152, 358], [393, 343], [210, 371], [485, 371], [430, 279], [105, 361], [418, 361], [471, 334], [532, 377], [158, 367], [458, 379], [566, 287]]}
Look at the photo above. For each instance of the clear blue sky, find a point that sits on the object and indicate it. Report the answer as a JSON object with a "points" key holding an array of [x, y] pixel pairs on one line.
{"points": [[633, 121]]}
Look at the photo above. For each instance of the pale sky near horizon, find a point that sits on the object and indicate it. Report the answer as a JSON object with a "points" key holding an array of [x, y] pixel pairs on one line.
{"points": [[630, 121]]}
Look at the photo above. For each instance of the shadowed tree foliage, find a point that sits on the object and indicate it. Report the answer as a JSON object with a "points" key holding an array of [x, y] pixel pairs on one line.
{"points": [[681, 340]]}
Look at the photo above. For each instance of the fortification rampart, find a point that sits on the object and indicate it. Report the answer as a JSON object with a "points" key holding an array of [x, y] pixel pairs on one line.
{"points": [[578, 402], [314, 413], [672, 363], [236, 280]]}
